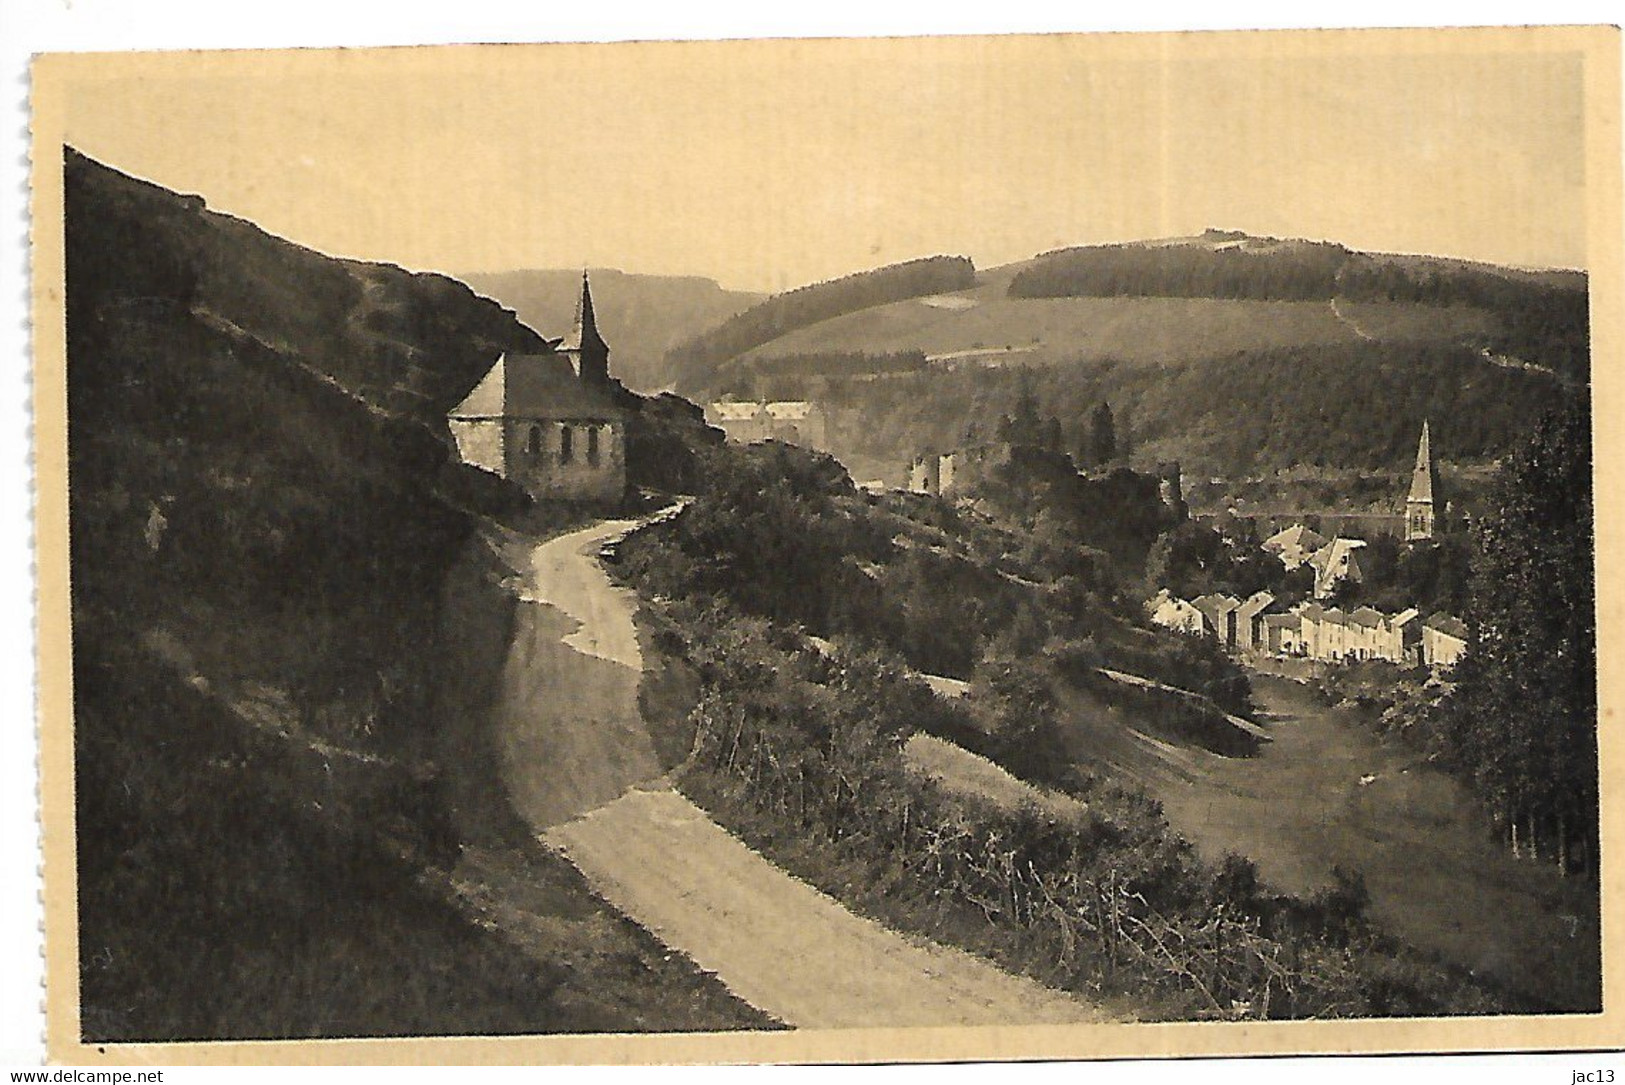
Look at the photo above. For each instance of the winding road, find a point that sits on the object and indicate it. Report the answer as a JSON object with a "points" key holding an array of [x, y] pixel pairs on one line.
{"points": [[583, 771], [571, 735]]}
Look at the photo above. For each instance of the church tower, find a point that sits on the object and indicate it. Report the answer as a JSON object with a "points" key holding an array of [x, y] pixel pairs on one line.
{"points": [[586, 349], [1421, 505]]}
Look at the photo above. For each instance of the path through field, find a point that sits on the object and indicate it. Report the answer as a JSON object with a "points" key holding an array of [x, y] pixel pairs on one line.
{"points": [[584, 773], [1327, 793]]}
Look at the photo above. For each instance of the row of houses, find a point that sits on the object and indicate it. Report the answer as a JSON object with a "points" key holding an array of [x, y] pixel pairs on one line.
{"points": [[1311, 631], [1406, 638]]}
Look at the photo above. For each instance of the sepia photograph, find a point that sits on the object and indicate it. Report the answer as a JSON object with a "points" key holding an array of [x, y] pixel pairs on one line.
{"points": [[828, 550]]}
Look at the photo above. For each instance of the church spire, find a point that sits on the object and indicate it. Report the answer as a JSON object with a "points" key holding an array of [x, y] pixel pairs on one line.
{"points": [[589, 353], [1421, 504]]}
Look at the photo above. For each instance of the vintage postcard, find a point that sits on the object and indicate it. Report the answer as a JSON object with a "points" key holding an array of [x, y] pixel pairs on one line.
{"points": [[831, 550]]}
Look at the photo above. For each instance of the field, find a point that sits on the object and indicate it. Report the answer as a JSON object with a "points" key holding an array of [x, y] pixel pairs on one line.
{"points": [[1437, 876], [1139, 330]]}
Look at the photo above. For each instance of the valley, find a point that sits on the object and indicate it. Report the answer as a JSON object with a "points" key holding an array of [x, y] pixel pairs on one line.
{"points": [[1437, 876], [404, 598]]}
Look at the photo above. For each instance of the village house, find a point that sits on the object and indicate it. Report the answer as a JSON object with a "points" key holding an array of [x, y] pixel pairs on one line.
{"points": [[1399, 638], [1294, 546], [1176, 614], [1283, 635], [1219, 617], [1361, 632], [792, 421], [549, 421], [1308, 629], [1330, 639], [1444, 641], [1335, 564], [1250, 615]]}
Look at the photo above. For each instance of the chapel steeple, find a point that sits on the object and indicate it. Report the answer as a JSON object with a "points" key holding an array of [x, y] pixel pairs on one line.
{"points": [[588, 353], [1422, 503]]}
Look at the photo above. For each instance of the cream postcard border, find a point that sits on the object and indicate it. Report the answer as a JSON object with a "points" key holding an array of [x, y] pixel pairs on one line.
{"points": [[54, 74]]}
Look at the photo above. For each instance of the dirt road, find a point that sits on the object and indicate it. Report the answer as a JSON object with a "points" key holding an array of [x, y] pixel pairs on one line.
{"points": [[568, 722], [583, 771], [779, 944]]}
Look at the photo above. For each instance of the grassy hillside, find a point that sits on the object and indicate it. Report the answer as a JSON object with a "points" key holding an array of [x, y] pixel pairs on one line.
{"points": [[264, 521], [1140, 330], [1229, 353], [800, 747], [694, 362], [641, 316]]}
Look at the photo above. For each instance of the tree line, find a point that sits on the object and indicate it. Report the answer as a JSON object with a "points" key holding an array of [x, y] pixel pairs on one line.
{"points": [[1305, 271], [1543, 319], [694, 360], [1520, 723]]}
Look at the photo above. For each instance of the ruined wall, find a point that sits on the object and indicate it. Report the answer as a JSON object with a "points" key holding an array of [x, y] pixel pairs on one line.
{"points": [[924, 475]]}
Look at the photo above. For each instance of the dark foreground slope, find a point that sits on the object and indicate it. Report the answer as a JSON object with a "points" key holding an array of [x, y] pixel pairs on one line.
{"points": [[277, 575]]}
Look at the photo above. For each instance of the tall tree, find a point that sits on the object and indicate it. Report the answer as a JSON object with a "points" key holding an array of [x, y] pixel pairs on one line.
{"points": [[1102, 436], [1523, 719], [1026, 425], [1052, 434]]}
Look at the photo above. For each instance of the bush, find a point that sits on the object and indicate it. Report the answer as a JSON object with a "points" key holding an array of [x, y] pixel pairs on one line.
{"points": [[802, 756]]}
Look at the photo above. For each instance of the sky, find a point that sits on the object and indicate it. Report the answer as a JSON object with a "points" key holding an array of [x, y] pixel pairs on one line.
{"points": [[766, 165]]}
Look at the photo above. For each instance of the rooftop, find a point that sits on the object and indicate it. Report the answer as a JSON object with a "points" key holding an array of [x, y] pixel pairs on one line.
{"points": [[1448, 624], [535, 386], [1297, 536], [1366, 617]]}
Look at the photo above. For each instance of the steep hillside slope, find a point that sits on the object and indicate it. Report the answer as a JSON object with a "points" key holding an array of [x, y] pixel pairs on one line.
{"points": [[1247, 413], [277, 574], [641, 316], [404, 343]]}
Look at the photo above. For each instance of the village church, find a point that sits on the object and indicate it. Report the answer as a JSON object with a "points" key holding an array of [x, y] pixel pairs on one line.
{"points": [[549, 422]]}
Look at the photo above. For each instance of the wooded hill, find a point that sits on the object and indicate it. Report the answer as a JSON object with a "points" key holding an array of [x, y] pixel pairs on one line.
{"points": [[1229, 353], [691, 363], [1542, 314]]}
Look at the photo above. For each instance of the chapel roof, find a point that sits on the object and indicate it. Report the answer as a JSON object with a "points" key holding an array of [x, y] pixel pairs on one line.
{"points": [[535, 386]]}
